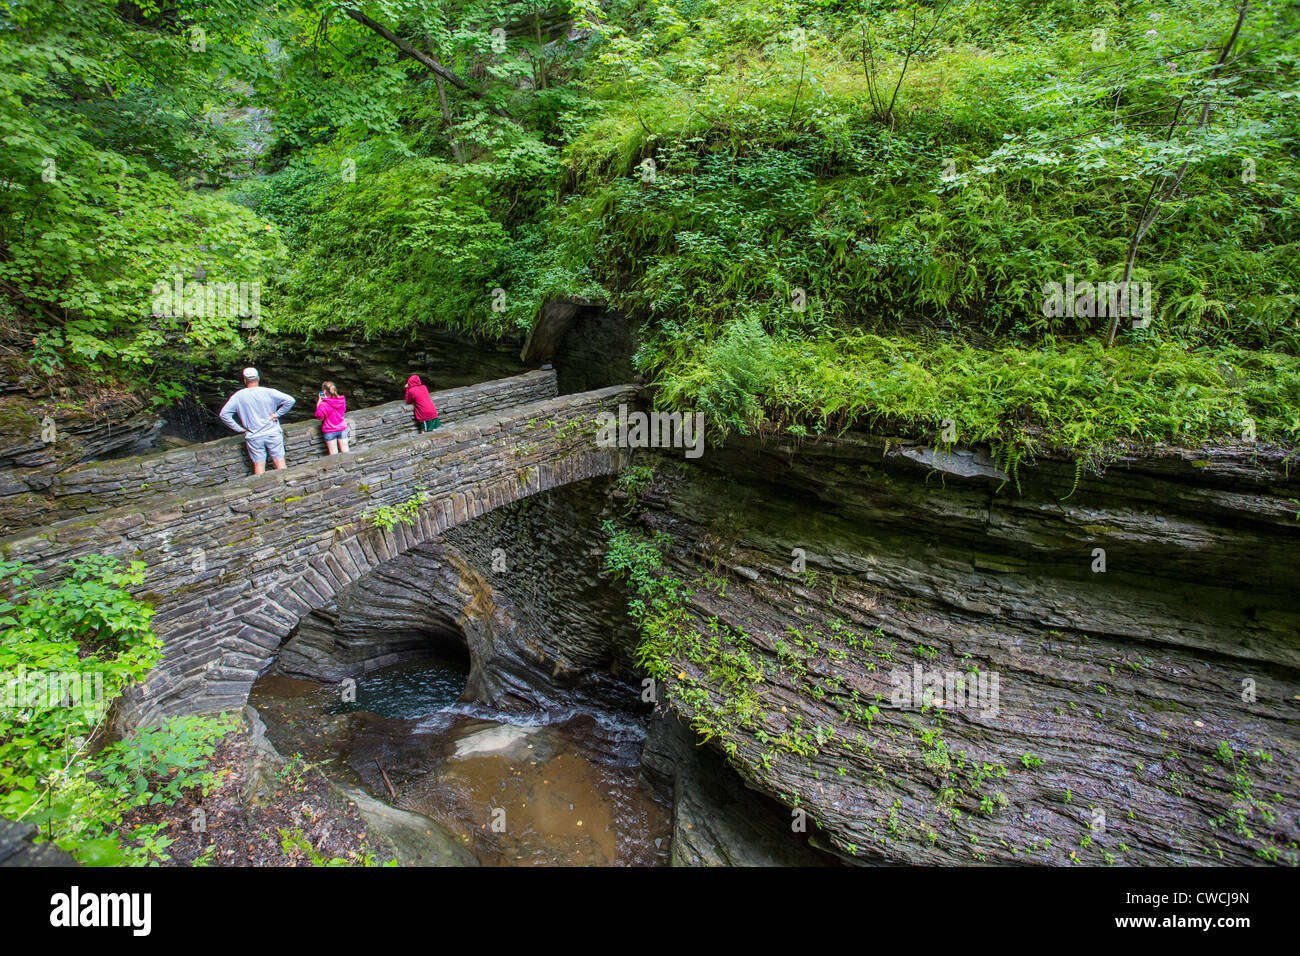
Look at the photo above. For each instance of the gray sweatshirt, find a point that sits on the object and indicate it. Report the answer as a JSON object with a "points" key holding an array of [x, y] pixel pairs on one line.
{"points": [[255, 406]]}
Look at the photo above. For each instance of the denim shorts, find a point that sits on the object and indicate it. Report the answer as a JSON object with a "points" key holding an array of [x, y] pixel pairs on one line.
{"points": [[335, 436], [265, 446]]}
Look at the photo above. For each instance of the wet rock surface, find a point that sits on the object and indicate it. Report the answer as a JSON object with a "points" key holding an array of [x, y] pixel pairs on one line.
{"points": [[529, 788], [1147, 714], [410, 839], [717, 820], [596, 350]]}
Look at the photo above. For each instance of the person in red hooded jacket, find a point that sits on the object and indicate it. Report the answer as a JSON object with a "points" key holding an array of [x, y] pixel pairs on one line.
{"points": [[426, 413]]}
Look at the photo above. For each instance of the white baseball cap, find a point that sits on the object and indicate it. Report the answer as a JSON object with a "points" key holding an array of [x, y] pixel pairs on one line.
{"points": [[250, 373]]}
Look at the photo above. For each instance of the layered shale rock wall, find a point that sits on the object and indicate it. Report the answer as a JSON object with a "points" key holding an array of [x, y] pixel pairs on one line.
{"points": [[1145, 714], [41, 438]]}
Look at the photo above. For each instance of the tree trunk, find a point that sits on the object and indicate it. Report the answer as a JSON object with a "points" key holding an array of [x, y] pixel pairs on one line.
{"points": [[1145, 220]]}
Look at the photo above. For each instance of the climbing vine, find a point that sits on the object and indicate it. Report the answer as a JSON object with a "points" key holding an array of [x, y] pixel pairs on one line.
{"points": [[704, 667]]}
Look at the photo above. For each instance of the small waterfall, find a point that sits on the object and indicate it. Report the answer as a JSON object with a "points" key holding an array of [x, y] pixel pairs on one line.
{"points": [[188, 419]]}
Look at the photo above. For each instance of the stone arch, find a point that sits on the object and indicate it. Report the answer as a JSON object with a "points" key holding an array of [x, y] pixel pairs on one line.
{"points": [[211, 665], [420, 603]]}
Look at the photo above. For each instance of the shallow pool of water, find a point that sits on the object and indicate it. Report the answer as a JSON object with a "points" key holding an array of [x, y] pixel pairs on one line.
{"points": [[407, 691], [560, 788]]}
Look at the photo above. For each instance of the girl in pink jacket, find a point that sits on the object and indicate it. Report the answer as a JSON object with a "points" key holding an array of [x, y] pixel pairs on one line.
{"points": [[330, 409]]}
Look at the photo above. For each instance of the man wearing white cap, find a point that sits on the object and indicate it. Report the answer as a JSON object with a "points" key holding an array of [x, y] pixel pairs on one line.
{"points": [[259, 411]]}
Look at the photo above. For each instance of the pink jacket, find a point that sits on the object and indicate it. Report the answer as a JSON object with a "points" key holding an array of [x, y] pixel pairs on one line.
{"points": [[330, 411]]}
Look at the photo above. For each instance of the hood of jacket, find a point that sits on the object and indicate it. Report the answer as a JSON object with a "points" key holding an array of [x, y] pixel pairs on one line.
{"points": [[413, 382]]}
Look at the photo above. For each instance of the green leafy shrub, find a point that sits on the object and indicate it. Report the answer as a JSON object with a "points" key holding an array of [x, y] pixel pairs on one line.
{"points": [[67, 651], [295, 844], [634, 480]]}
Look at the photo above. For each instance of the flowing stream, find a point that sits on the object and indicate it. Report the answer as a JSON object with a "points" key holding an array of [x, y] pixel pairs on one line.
{"points": [[556, 788]]}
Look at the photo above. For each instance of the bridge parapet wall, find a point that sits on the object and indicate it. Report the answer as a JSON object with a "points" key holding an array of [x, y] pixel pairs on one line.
{"points": [[104, 485]]}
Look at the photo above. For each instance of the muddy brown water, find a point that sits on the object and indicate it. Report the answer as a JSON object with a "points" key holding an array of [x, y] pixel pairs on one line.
{"points": [[519, 789]]}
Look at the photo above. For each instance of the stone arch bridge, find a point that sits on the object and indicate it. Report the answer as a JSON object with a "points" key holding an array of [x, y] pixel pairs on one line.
{"points": [[234, 561]]}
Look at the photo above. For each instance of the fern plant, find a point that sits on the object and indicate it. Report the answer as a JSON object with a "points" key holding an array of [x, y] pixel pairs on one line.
{"points": [[387, 517]]}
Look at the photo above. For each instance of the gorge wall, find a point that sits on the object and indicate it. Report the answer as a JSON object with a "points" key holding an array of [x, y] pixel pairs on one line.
{"points": [[1146, 713]]}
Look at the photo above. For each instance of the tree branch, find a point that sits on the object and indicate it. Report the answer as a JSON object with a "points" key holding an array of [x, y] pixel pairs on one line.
{"points": [[1167, 193], [410, 50]]}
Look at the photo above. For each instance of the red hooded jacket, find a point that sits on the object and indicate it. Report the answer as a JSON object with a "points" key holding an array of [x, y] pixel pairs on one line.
{"points": [[418, 395]]}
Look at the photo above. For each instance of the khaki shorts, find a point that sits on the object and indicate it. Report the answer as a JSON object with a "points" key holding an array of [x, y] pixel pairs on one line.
{"points": [[265, 446]]}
